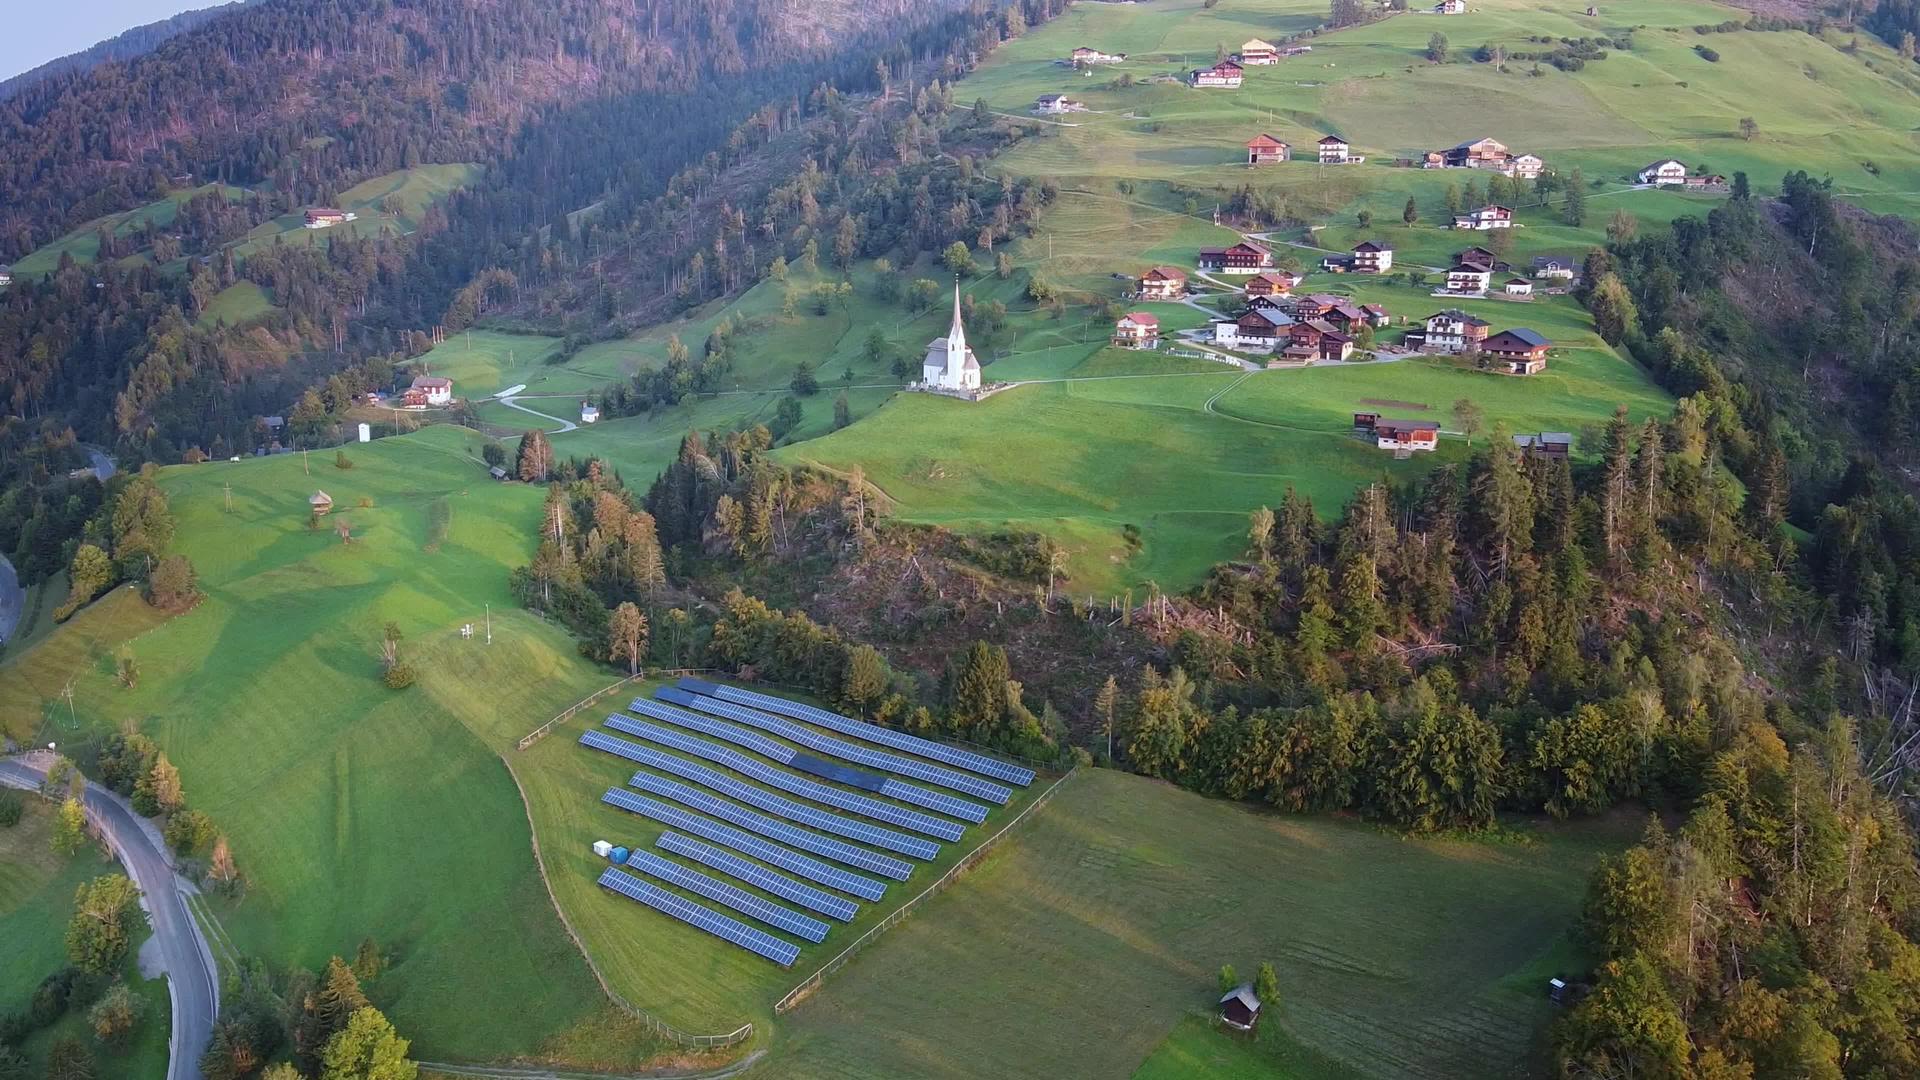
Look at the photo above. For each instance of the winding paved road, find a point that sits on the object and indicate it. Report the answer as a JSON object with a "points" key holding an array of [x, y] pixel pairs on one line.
{"points": [[184, 955]]}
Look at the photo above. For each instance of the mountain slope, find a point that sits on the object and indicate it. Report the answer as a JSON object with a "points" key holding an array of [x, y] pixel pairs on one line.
{"points": [[123, 46]]}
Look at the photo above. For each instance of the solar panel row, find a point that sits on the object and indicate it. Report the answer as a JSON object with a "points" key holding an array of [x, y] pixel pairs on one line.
{"points": [[764, 800], [873, 733], [780, 918], [786, 781], [758, 876], [706, 725], [739, 736], [826, 874], [773, 828], [721, 926], [933, 774]]}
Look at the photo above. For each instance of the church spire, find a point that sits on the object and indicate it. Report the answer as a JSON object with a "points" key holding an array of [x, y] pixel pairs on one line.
{"points": [[956, 334]]}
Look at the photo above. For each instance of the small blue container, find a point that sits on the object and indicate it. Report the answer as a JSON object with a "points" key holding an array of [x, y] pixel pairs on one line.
{"points": [[619, 856]]}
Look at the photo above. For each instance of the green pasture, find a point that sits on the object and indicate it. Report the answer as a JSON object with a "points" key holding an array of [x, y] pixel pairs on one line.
{"points": [[83, 243], [237, 304], [685, 976], [1077, 948], [1838, 105], [354, 810], [393, 202]]}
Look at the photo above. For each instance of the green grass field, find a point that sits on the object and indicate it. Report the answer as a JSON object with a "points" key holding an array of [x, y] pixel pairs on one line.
{"points": [[238, 304], [354, 810], [83, 243], [36, 900], [393, 202], [1078, 949]]}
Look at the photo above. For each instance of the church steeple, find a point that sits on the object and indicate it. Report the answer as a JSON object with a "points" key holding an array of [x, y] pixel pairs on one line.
{"points": [[956, 334]]}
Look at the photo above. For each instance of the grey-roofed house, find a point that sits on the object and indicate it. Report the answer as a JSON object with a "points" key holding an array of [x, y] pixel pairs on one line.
{"points": [[1240, 1007], [1553, 444]]}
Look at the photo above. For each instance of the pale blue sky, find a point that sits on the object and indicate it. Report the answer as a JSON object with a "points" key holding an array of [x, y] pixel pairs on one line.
{"points": [[39, 30]]}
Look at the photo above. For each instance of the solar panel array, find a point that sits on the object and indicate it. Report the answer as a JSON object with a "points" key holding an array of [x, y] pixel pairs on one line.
{"points": [[846, 751], [781, 752], [826, 874], [786, 781], [707, 725], [773, 828], [764, 800], [780, 918], [721, 926], [873, 733], [759, 876], [758, 851]]}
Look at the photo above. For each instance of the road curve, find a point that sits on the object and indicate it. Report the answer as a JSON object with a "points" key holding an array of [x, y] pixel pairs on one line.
{"points": [[184, 955]]}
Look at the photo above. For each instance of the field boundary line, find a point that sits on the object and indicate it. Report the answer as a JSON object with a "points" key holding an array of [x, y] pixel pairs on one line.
{"points": [[813, 982], [574, 709], [657, 1025]]}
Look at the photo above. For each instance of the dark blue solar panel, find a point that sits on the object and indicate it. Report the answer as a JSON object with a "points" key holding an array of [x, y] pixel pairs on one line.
{"points": [[781, 752], [758, 876], [764, 800], [780, 918], [772, 854], [707, 725], [766, 774], [873, 733], [721, 926], [953, 779]]}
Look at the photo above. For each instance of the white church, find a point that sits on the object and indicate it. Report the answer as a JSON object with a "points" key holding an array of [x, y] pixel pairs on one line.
{"points": [[950, 364]]}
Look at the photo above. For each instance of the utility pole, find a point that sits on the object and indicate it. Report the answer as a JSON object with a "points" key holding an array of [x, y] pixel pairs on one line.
{"points": [[229, 487], [489, 624], [304, 470]]}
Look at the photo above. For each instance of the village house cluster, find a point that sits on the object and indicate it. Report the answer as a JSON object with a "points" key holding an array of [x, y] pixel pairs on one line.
{"points": [[1489, 154]]}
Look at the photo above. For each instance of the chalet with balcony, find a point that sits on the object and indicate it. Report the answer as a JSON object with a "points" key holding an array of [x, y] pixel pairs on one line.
{"points": [[1224, 75], [1520, 351], [1486, 217], [1137, 330], [1245, 257], [1163, 283]]}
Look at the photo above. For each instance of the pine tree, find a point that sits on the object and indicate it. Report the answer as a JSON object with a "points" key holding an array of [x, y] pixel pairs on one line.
{"points": [[980, 691], [340, 996], [1616, 452], [1410, 214], [1574, 210], [1313, 638], [1363, 615], [1105, 704]]}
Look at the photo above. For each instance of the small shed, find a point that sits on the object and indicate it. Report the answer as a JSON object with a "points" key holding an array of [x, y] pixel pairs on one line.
{"points": [[602, 848], [320, 501], [366, 432], [1240, 1007], [497, 473]]}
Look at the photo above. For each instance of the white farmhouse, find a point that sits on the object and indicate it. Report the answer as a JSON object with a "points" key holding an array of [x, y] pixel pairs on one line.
{"points": [[950, 364]]}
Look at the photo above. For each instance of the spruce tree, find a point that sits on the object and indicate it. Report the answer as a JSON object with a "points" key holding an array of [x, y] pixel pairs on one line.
{"points": [[340, 996]]}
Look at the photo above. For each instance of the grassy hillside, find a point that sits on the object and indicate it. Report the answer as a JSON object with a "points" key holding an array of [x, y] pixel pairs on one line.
{"points": [[393, 201], [1076, 950], [83, 243], [354, 809]]}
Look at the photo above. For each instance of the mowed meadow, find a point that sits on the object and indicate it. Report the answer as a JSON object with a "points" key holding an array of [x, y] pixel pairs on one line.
{"points": [[354, 810], [1080, 948]]}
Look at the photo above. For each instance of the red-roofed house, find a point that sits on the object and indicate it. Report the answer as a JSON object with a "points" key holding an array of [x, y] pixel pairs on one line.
{"points": [[1225, 74], [1163, 283], [1264, 149], [1137, 330], [1271, 283], [1406, 435]]}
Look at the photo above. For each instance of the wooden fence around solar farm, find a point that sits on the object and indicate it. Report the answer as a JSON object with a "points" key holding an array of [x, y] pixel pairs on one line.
{"points": [[574, 709], [813, 982]]}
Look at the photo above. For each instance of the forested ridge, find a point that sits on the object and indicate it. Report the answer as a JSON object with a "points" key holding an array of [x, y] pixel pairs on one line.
{"points": [[113, 355], [122, 46]]}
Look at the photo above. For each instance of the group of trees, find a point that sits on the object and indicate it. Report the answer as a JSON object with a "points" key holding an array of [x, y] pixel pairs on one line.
{"points": [[599, 557], [99, 941], [134, 765], [321, 1026]]}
